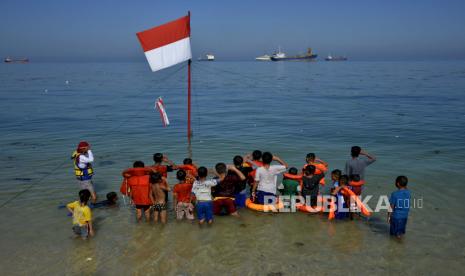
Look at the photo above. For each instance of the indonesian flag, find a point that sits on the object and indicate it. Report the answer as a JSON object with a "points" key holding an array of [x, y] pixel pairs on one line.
{"points": [[167, 44], [161, 108]]}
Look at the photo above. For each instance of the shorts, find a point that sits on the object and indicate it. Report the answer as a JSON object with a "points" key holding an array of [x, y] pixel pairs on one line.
{"points": [[82, 231], [143, 207], [240, 199], [158, 207], [186, 209], [398, 226], [204, 210], [226, 203], [260, 197], [86, 185]]}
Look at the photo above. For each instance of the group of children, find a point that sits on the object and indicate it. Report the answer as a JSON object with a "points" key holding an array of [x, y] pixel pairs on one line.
{"points": [[148, 188]]}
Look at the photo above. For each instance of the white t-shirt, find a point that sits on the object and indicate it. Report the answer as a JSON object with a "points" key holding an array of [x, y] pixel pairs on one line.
{"points": [[203, 189], [84, 159], [267, 178]]}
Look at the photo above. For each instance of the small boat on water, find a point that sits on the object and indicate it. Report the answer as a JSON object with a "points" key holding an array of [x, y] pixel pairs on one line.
{"points": [[335, 58], [280, 56], [20, 60], [263, 58], [208, 57]]}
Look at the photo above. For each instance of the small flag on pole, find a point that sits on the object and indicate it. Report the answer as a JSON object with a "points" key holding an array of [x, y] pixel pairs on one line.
{"points": [[167, 44], [161, 108]]}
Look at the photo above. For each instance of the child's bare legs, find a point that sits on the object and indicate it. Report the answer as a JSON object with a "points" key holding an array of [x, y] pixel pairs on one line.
{"points": [[163, 216], [155, 216], [93, 195], [147, 215], [139, 214]]}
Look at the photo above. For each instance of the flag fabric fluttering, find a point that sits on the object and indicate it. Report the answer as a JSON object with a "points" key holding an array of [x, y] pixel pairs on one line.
{"points": [[161, 108], [167, 44]]}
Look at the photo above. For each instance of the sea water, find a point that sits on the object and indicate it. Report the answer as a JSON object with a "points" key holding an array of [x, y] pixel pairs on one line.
{"points": [[410, 115]]}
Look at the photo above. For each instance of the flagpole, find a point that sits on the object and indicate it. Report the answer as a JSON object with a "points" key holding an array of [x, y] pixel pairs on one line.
{"points": [[189, 131]]}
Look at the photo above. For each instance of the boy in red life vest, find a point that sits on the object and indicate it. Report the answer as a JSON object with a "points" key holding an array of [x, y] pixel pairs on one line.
{"points": [[160, 166], [321, 167], [190, 168], [137, 181], [159, 189], [182, 197]]}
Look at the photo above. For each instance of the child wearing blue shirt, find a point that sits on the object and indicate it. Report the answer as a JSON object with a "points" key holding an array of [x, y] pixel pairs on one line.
{"points": [[400, 205]]}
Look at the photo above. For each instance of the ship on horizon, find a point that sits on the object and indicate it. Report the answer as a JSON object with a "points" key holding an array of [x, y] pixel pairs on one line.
{"points": [[335, 58], [19, 60], [265, 57], [281, 56], [208, 57]]}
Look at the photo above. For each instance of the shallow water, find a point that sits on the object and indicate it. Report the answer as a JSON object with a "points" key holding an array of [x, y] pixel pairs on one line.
{"points": [[409, 114]]}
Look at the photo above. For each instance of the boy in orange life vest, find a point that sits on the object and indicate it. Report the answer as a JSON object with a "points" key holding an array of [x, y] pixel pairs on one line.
{"points": [[138, 186], [321, 166], [190, 169], [159, 189], [159, 159], [182, 197]]}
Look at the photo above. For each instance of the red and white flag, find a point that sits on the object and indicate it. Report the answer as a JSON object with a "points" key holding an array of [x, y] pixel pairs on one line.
{"points": [[161, 108], [167, 44]]}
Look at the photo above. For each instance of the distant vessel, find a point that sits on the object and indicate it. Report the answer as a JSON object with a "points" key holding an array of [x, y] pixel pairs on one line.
{"points": [[280, 56], [335, 58], [20, 60], [208, 57], [263, 58]]}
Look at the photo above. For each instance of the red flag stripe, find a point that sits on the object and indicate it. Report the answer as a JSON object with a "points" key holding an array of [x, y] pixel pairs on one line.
{"points": [[165, 34]]}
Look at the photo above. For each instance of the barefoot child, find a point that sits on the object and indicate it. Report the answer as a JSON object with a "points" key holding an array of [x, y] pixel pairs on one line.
{"points": [[137, 182], [321, 167], [182, 197], [310, 184], [203, 193], [159, 188], [400, 205], [82, 215]]}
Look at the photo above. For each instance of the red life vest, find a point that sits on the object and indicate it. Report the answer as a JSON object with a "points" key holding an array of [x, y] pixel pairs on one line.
{"points": [[139, 186]]}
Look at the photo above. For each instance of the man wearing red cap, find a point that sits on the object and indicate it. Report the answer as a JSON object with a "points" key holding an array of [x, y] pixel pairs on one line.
{"points": [[83, 158]]}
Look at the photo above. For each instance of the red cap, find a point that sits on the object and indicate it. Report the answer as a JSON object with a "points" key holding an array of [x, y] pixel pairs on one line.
{"points": [[82, 144]]}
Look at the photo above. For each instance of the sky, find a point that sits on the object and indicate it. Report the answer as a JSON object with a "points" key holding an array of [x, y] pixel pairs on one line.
{"points": [[104, 30]]}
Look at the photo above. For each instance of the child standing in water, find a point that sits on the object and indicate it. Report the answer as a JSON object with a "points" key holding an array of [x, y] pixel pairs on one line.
{"points": [[203, 193], [290, 186], [82, 215], [182, 197], [311, 184], [321, 167], [342, 203], [159, 188], [400, 205]]}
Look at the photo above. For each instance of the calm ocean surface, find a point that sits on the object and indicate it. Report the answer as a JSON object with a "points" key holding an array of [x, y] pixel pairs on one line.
{"points": [[409, 114]]}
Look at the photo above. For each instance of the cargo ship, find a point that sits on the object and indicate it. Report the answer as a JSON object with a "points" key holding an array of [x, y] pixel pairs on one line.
{"points": [[208, 57], [280, 56], [335, 58], [20, 60]]}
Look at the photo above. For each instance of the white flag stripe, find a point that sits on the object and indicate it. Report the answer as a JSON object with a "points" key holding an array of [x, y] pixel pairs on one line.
{"points": [[169, 55]]}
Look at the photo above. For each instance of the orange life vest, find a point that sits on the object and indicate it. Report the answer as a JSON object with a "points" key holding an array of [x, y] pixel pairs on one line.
{"points": [[319, 169], [139, 186]]}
